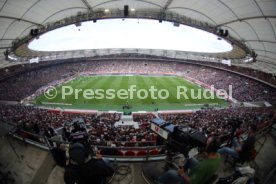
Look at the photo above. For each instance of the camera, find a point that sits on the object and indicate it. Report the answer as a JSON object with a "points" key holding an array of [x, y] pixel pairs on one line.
{"points": [[184, 138], [77, 133], [180, 138]]}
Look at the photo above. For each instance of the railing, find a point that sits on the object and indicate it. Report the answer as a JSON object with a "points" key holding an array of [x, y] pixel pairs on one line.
{"points": [[133, 154], [121, 154]]}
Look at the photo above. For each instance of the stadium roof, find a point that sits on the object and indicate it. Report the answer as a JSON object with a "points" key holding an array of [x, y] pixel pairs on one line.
{"points": [[252, 22]]}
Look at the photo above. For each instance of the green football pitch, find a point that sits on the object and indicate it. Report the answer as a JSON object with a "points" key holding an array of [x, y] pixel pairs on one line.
{"points": [[138, 93]]}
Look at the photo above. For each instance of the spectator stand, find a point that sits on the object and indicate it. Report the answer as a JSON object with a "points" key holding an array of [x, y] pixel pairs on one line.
{"points": [[31, 125], [245, 89], [261, 137]]}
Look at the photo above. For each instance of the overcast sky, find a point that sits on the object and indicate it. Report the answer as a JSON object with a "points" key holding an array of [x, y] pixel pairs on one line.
{"points": [[129, 33]]}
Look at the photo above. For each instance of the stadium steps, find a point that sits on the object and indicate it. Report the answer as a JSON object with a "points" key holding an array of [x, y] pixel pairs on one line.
{"points": [[44, 171]]}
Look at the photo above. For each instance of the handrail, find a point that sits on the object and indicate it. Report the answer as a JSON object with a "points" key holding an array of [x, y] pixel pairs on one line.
{"points": [[44, 144]]}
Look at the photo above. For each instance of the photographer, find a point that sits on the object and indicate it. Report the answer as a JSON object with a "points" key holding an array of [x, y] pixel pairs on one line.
{"points": [[241, 150], [195, 171], [82, 169]]}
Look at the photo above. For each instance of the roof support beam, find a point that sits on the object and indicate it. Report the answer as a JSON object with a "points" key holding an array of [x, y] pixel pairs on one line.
{"points": [[252, 28], [265, 41], [260, 9], [272, 27], [264, 56], [259, 50], [19, 19], [198, 12], [3, 5], [4, 47], [230, 9], [87, 5], [6, 39], [25, 30], [263, 60], [29, 8], [63, 10], [247, 18], [6, 30], [149, 2], [266, 62], [229, 28], [168, 3]]}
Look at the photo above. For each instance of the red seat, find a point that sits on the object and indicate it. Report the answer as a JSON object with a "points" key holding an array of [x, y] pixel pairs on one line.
{"points": [[154, 152], [120, 153], [129, 153], [141, 153]]}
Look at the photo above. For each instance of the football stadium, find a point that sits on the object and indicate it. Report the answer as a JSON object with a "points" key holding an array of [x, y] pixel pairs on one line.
{"points": [[137, 92]]}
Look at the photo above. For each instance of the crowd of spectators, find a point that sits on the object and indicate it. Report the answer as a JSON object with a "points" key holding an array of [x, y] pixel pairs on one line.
{"points": [[143, 118], [25, 84], [219, 122], [103, 132], [12, 70], [243, 89], [37, 120], [21, 86], [270, 78], [100, 127]]}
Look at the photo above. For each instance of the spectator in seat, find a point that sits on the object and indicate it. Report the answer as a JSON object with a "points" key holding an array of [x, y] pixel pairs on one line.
{"points": [[83, 169], [241, 150], [195, 171]]}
